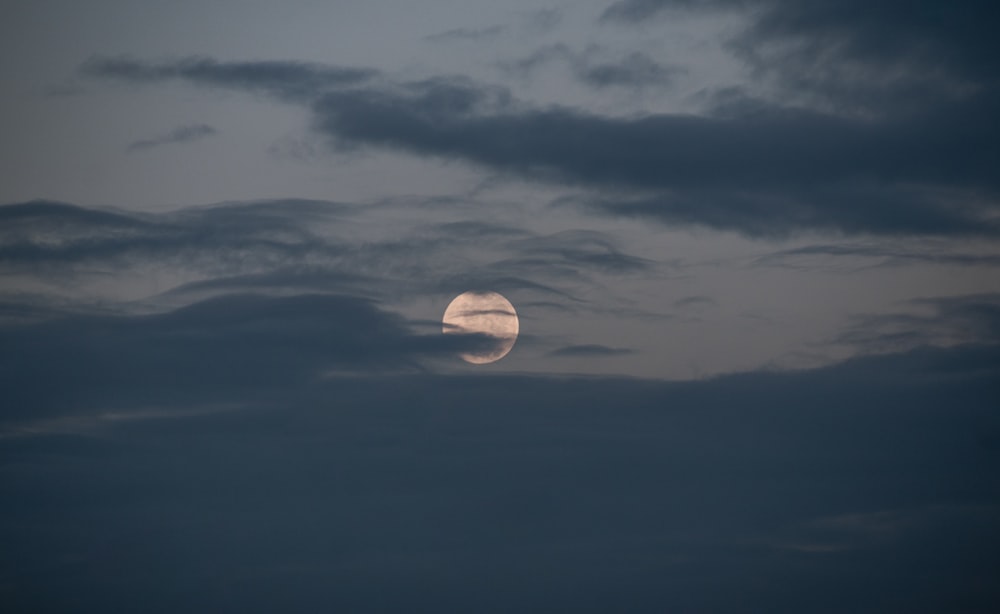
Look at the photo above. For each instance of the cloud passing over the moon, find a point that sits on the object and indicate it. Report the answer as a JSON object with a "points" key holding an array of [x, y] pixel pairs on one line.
{"points": [[483, 313]]}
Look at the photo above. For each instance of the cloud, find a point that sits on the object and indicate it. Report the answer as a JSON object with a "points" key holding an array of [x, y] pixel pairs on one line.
{"points": [[57, 237], [877, 59], [477, 230], [181, 134], [423, 492], [23, 307], [966, 319], [769, 172], [281, 280], [246, 342], [829, 256], [569, 253], [776, 212], [896, 58], [544, 19], [51, 216], [540, 56], [467, 34], [868, 531], [776, 172], [689, 302], [638, 10], [589, 350], [286, 246], [635, 70], [284, 79], [281, 395]]}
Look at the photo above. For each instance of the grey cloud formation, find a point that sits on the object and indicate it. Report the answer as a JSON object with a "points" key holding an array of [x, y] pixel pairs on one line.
{"points": [[788, 165], [181, 134], [771, 171], [769, 174]]}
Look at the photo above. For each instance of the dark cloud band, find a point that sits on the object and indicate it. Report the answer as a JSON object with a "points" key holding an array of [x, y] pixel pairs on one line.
{"points": [[770, 171]]}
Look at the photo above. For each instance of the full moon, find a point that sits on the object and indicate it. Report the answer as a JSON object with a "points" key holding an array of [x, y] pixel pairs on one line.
{"points": [[483, 312]]}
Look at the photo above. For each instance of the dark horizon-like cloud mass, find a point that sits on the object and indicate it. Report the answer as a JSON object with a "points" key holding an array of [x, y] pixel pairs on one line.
{"points": [[252, 342], [764, 170], [426, 492]]}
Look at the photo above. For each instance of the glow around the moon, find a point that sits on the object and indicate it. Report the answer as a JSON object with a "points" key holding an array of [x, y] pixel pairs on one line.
{"points": [[483, 312]]}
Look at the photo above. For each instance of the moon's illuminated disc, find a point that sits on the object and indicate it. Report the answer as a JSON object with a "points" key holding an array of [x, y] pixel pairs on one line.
{"points": [[483, 312]]}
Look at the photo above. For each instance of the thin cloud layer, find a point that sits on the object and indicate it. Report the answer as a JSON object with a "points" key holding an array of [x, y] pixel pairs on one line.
{"points": [[466, 34], [60, 237], [635, 70], [283, 79], [181, 134], [875, 255], [952, 320], [589, 350], [288, 246]]}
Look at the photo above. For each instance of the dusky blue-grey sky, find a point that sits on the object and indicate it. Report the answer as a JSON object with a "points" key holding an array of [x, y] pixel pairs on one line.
{"points": [[753, 246]]}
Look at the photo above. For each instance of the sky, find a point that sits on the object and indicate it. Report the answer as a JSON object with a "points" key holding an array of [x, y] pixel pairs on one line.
{"points": [[753, 246]]}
